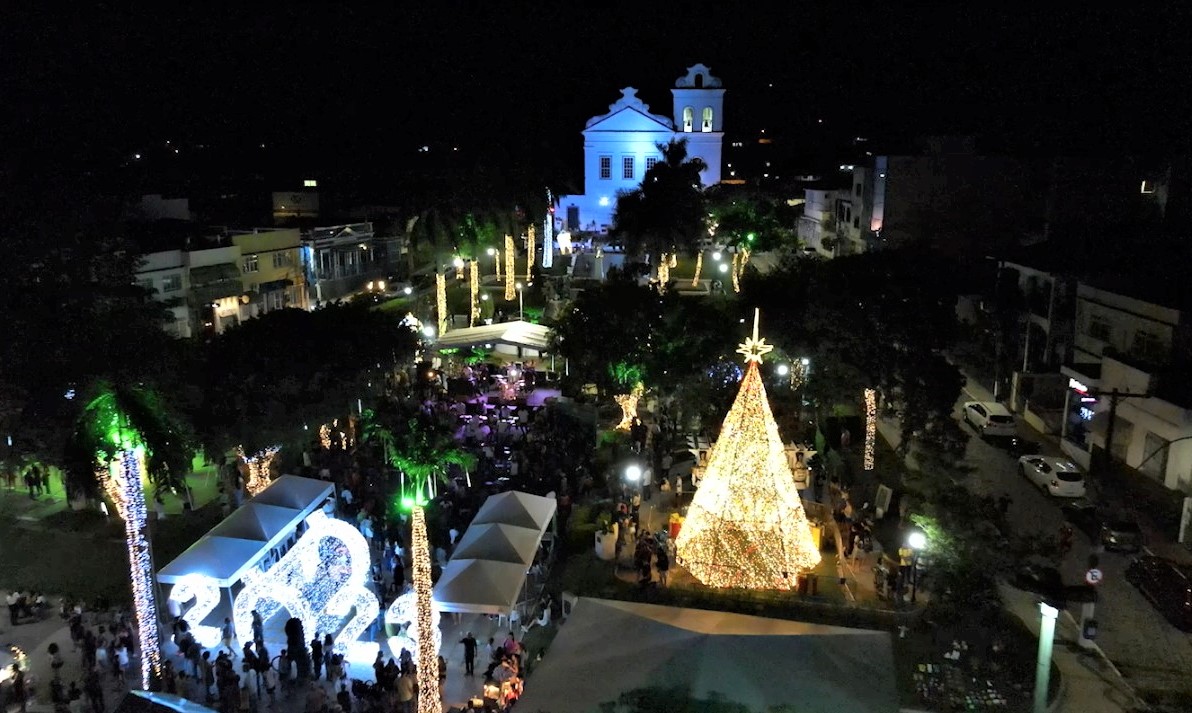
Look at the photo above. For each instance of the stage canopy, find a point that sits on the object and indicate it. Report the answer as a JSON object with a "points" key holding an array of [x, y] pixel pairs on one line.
{"points": [[690, 655], [489, 564], [240, 540], [515, 334]]}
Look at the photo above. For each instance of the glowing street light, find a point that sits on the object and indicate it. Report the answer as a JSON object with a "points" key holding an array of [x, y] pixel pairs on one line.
{"points": [[633, 473], [408, 290], [716, 255], [915, 540], [521, 312], [428, 331], [724, 267], [783, 370], [458, 263]]}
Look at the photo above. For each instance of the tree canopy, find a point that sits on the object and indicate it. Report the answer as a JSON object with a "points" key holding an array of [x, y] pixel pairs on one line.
{"points": [[667, 213], [750, 219]]}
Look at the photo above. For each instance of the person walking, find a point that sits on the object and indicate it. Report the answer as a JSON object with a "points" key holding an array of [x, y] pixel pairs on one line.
{"points": [[316, 655], [662, 561], [228, 635], [469, 643]]}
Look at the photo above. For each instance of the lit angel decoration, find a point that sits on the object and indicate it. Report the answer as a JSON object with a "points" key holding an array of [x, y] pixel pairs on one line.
{"points": [[403, 615]]}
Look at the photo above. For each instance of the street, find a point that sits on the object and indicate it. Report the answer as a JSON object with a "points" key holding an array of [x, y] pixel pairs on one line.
{"points": [[1150, 652]]}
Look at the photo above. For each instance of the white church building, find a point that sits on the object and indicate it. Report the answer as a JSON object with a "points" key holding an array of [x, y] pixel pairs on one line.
{"points": [[620, 146]]}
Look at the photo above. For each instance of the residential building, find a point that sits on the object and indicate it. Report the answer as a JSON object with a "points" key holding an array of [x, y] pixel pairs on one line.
{"points": [[1128, 392], [166, 276], [216, 289], [271, 269], [825, 206], [340, 260], [622, 145]]}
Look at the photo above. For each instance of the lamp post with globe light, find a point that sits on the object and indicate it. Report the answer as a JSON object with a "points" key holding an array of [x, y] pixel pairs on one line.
{"points": [[521, 311], [915, 540]]}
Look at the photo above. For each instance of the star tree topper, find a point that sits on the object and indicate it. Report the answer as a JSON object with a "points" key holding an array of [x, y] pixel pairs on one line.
{"points": [[753, 348]]}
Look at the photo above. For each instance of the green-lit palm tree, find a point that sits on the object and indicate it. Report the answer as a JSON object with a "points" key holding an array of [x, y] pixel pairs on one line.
{"points": [[129, 434], [423, 451]]}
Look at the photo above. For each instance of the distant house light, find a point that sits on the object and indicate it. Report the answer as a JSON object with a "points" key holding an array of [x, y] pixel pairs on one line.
{"points": [[846, 167], [310, 183], [1147, 187]]}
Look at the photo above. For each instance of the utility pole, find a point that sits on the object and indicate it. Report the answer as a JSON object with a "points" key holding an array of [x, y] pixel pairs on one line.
{"points": [[1115, 396]]}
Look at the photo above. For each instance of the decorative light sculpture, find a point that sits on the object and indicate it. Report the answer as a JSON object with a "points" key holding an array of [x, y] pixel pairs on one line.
{"points": [[565, 246], [322, 580], [260, 467], [663, 271], [325, 436], [510, 268], [531, 252], [674, 260], [428, 662], [746, 527], [402, 614], [205, 593], [870, 426], [548, 232], [699, 266], [441, 300], [474, 291], [127, 469], [628, 404]]}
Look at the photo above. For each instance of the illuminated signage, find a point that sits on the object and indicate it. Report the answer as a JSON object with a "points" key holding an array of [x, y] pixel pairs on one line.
{"points": [[1077, 386]]}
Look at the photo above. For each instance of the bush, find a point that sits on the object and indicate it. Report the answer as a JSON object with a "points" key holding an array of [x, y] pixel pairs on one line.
{"points": [[581, 537]]}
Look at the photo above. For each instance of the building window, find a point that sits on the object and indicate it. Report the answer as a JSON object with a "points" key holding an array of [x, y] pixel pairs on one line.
{"points": [[281, 259], [688, 118], [1100, 328], [606, 167], [1148, 187], [171, 283], [626, 167], [252, 263], [707, 122], [857, 222], [1148, 346], [651, 162]]}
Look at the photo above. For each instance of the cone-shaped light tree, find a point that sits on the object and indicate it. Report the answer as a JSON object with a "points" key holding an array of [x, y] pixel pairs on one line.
{"points": [[423, 451], [129, 435], [746, 527]]}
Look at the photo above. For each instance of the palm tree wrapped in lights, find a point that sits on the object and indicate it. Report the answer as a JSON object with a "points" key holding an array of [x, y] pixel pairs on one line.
{"points": [[128, 435], [423, 452]]}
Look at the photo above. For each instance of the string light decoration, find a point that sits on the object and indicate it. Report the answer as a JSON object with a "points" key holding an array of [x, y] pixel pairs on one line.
{"points": [[260, 468], [205, 593], [428, 662], [870, 427], [736, 268], [510, 268], [548, 233], [674, 260], [126, 469], [531, 252], [798, 373], [441, 300], [699, 267], [746, 527], [322, 580], [402, 615], [325, 436], [628, 404], [663, 271], [496, 262], [474, 291]]}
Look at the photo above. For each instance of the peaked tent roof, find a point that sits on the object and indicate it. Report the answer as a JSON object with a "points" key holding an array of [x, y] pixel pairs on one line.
{"points": [[293, 491], [499, 543], [517, 333], [223, 559], [517, 509], [704, 654], [256, 521], [480, 586]]}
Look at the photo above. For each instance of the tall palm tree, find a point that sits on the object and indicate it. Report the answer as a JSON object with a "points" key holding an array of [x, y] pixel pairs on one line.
{"points": [[423, 451], [129, 435]]}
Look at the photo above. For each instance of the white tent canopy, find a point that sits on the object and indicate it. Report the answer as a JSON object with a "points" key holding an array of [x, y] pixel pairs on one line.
{"points": [[515, 334], [489, 564], [707, 654], [239, 542]]}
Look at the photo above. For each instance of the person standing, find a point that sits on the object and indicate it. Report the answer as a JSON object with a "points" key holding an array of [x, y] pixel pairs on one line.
{"points": [[228, 635], [662, 561], [469, 643], [316, 655]]}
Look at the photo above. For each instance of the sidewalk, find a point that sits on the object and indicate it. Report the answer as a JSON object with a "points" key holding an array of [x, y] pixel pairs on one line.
{"points": [[1089, 682]]}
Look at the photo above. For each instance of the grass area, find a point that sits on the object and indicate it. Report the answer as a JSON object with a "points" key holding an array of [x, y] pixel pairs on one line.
{"points": [[82, 554], [397, 304]]}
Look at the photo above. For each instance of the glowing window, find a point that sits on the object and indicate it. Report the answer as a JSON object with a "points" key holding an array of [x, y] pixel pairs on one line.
{"points": [[707, 123], [688, 118], [651, 162], [310, 183], [627, 167], [606, 166]]}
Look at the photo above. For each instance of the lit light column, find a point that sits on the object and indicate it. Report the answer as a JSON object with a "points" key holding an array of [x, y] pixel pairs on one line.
{"points": [[474, 291], [664, 266], [870, 426], [441, 300], [699, 266], [510, 268], [126, 470], [428, 661], [736, 268], [548, 233], [531, 252], [496, 256], [1043, 664]]}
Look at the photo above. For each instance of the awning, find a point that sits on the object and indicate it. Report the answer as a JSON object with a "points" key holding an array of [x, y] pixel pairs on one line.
{"points": [[256, 521], [517, 334], [479, 586], [499, 543], [293, 491], [517, 509]]}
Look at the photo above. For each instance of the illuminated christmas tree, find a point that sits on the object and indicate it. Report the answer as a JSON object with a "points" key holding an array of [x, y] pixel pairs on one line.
{"points": [[746, 527]]}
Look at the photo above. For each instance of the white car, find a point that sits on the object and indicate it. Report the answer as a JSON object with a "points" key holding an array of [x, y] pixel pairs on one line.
{"points": [[989, 418], [1058, 477]]}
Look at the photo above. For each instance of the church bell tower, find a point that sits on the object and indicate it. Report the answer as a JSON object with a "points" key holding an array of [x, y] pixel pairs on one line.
{"points": [[699, 118]]}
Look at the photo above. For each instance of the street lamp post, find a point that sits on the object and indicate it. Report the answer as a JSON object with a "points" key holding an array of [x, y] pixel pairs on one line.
{"points": [[496, 256], [1043, 665], [521, 312], [633, 473]]}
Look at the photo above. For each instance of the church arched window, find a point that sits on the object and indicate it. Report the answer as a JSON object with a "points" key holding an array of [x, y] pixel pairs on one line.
{"points": [[707, 123], [688, 118]]}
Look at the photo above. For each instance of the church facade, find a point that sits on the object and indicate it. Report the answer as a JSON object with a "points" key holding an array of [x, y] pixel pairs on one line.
{"points": [[620, 146]]}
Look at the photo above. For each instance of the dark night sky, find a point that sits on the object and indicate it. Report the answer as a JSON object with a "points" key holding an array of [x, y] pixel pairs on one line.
{"points": [[368, 85]]}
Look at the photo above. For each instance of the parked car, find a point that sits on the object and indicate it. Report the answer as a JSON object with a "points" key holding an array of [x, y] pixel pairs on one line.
{"points": [[1058, 477], [1115, 531], [989, 418], [1167, 585]]}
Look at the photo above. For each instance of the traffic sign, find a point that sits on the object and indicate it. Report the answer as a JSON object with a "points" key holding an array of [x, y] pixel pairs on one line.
{"points": [[1093, 576]]}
